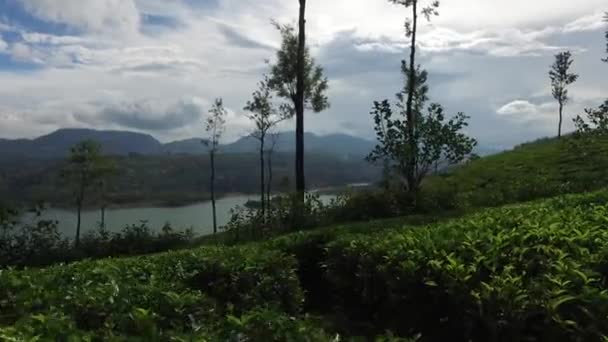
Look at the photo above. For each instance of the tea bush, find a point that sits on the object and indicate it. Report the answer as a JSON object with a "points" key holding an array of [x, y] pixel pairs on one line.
{"points": [[172, 292], [532, 272], [529, 272]]}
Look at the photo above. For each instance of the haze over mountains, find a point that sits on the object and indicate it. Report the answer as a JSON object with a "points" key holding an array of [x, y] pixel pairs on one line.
{"points": [[57, 144]]}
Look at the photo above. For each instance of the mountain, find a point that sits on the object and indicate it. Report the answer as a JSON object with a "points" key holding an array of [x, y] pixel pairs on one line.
{"points": [[58, 143], [336, 144], [120, 143]]}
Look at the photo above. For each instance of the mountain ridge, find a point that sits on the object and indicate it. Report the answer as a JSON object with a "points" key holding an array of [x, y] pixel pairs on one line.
{"points": [[57, 144]]}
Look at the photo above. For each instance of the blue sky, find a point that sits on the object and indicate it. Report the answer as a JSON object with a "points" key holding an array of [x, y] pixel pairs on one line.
{"points": [[155, 65]]}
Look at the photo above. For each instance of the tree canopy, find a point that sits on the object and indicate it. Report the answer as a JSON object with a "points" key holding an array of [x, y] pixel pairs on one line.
{"points": [[283, 74]]}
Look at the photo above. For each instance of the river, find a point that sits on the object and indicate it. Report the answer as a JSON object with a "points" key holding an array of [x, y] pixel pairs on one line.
{"points": [[196, 216]]}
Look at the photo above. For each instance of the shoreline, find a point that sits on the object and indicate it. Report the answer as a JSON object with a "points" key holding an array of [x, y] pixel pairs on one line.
{"points": [[189, 201], [158, 204]]}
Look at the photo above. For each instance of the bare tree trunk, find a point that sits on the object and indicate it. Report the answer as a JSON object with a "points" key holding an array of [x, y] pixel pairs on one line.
{"points": [[79, 202], [411, 117], [78, 214], [103, 216], [561, 119], [212, 186], [262, 180], [299, 104], [269, 183]]}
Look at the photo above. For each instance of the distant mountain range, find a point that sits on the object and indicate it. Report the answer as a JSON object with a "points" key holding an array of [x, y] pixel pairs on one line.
{"points": [[57, 145]]}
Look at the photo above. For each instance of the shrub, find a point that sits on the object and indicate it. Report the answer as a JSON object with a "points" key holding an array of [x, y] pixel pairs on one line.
{"points": [[152, 296], [518, 273]]}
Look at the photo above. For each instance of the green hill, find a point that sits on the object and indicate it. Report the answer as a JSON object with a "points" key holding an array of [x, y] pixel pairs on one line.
{"points": [[540, 169]]}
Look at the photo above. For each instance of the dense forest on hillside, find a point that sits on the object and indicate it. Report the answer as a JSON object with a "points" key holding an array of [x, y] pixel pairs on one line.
{"points": [[177, 179]]}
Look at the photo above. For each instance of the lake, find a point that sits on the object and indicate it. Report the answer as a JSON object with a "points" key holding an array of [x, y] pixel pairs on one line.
{"points": [[196, 216]]}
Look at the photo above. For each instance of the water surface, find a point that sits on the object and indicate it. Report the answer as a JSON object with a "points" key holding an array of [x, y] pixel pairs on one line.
{"points": [[196, 216]]}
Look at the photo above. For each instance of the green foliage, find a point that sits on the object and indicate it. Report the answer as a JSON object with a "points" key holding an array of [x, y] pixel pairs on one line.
{"points": [[38, 244], [561, 76], [596, 123], [215, 125], [263, 112], [541, 169], [150, 298], [535, 271], [412, 153], [86, 167], [283, 74], [175, 180], [531, 272]]}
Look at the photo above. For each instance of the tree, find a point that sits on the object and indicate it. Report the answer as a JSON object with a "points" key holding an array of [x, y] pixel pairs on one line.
{"points": [[86, 166], [265, 116], [596, 123], [214, 127], [107, 169], [561, 78], [274, 139], [435, 138], [296, 78], [411, 31], [606, 34]]}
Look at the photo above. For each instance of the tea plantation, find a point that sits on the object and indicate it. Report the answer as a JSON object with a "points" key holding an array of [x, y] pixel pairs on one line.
{"points": [[526, 272]]}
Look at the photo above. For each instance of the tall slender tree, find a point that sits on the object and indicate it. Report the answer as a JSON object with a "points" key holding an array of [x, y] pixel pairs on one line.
{"points": [[299, 103], [606, 35], [215, 125], [107, 169], [265, 116], [296, 78], [85, 167], [411, 31], [274, 140], [561, 78]]}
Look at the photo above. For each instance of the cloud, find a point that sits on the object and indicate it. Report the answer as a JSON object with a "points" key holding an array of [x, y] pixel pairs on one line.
{"points": [[526, 111], [510, 42], [3, 45], [590, 22], [96, 16], [127, 64], [147, 114]]}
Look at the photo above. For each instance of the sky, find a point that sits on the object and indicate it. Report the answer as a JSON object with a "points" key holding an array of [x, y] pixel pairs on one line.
{"points": [[155, 66]]}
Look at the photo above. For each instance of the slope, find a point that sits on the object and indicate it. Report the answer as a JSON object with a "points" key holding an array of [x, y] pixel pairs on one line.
{"points": [[534, 170], [534, 271]]}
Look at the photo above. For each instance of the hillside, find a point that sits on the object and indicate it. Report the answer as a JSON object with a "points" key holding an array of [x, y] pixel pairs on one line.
{"points": [[177, 179], [534, 271], [336, 144], [544, 168]]}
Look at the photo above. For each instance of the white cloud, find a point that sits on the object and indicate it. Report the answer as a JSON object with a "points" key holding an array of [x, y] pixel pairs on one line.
{"points": [[502, 43], [525, 110], [112, 61], [3, 45], [590, 22], [96, 16]]}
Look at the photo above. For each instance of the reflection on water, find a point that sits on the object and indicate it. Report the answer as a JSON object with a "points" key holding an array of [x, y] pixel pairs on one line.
{"points": [[197, 216]]}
